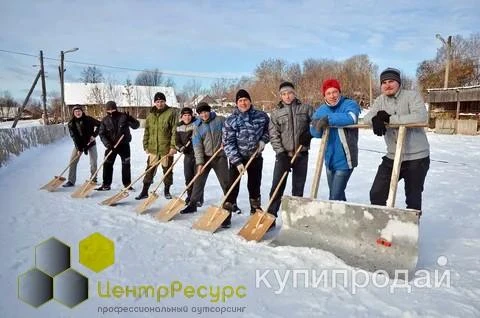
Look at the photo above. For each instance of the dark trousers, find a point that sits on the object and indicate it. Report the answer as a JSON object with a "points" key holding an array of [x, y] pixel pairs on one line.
{"points": [[165, 164], [413, 173], [254, 172], [299, 175], [189, 171], [123, 150], [220, 166]]}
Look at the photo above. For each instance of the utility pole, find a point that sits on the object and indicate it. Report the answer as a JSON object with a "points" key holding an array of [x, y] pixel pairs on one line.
{"points": [[44, 90], [448, 47], [20, 110], [62, 79]]}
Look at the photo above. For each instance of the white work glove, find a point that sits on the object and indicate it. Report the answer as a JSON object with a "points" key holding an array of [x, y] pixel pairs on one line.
{"points": [[241, 168], [261, 146]]}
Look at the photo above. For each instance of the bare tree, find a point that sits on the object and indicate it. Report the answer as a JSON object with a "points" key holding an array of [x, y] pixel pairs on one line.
{"points": [[192, 88], [8, 106], [92, 74], [149, 78]]}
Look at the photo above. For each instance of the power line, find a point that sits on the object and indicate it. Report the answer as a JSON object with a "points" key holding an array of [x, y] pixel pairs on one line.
{"points": [[177, 74]]}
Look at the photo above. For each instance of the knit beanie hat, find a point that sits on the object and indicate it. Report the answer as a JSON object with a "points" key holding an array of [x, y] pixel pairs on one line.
{"points": [[159, 96], [330, 83], [286, 86], [390, 74], [77, 107], [110, 105], [203, 107], [186, 110], [242, 94]]}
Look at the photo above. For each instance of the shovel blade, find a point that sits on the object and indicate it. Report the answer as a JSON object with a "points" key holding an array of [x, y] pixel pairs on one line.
{"points": [[53, 184], [211, 220], [142, 207], [170, 210], [256, 226], [115, 198], [370, 237], [84, 190]]}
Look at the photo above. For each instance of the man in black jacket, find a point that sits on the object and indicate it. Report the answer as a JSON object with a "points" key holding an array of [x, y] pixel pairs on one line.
{"points": [[83, 130], [112, 127]]}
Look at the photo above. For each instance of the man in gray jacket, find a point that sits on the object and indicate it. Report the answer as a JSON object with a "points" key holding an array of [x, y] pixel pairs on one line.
{"points": [[289, 128], [400, 106], [206, 140]]}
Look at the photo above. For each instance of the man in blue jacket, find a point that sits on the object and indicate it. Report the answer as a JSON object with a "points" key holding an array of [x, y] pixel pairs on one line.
{"points": [[245, 131], [341, 155]]}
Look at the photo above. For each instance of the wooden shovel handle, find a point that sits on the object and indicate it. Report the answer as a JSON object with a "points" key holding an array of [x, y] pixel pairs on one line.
{"points": [[397, 162], [168, 172], [412, 125], [70, 164], [238, 178], [105, 159], [284, 176], [319, 164]]}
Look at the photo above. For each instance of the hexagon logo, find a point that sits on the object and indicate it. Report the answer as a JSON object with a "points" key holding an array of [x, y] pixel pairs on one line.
{"points": [[97, 252], [35, 287], [52, 256], [70, 288]]}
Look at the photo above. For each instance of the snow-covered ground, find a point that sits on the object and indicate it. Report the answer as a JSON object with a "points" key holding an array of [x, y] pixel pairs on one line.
{"points": [[21, 123], [151, 253]]}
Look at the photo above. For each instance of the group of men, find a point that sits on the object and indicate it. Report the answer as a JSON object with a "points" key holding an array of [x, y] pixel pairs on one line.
{"points": [[233, 146]]}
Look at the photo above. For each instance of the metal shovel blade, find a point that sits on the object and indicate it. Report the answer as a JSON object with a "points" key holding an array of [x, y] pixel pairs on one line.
{"points": [[211, 220], [170, 210], [142, 207], [370, 237], [256, 226], [53, 184], [84, 190]]}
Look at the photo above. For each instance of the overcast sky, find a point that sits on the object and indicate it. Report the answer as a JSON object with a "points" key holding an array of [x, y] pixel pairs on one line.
{"points": [[219, 38]]}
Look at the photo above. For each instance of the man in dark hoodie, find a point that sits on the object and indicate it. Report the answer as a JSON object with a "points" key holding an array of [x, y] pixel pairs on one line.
{"points": [[83, 130], [158, 141], [112, 127], [183, 136]]}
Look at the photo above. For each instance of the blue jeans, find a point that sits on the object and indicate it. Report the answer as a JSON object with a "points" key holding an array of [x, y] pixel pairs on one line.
{"points": [[337, 182]]}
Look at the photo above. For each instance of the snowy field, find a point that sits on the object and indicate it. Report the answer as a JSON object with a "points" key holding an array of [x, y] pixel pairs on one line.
{"points": [[150, 253]]}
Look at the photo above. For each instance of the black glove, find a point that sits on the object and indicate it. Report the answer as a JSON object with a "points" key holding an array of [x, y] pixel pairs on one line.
{"points": [[379, 128], [85, 151], [321, 123], [384, 116], [305, 138]]}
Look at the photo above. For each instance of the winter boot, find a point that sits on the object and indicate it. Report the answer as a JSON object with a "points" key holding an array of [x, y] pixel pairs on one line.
{"points": [[189, 209], [255, 204], [272, 226], [166, 193], [144, 193], [68, 184], [103, 187], [228, 221], [236, 209]]}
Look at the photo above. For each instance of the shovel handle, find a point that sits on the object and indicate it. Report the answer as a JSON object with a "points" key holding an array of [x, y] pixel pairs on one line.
{"points": [[238, 178], [70, 164], [105, 159], [319, 164], [284, 176], [397, 162]]}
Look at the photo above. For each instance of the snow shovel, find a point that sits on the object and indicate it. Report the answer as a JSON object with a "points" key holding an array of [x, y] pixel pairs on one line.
{"points": [[122, 194], [142, 207], [176, 204], [84, 190], [212, 219], [260, 222], [371, 237], [57, 181]]}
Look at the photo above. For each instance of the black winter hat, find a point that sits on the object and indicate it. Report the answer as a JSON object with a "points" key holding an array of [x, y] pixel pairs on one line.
{"points": [[286, 85], [242, 94], [390, 74], [77, 107], [203, 107], [186, 110], [110, 105], [159, 96]]}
